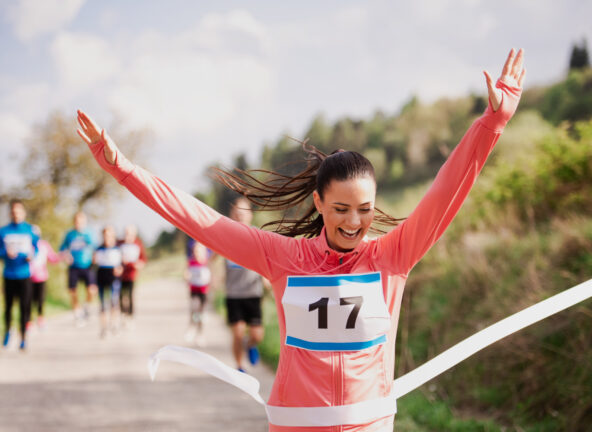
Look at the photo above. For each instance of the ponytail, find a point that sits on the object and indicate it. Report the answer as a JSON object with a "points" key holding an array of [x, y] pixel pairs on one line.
{"points": [[287, 193]]}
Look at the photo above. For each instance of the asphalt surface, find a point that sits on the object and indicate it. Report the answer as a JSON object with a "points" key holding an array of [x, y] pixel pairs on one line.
{"points": [[71, 380]]}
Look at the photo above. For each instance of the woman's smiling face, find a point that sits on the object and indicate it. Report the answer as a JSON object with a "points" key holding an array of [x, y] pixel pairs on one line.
{"points": [[347, 207]]}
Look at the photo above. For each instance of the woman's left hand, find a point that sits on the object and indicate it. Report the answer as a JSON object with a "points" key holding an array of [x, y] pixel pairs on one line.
{"points": [[512, 75]]}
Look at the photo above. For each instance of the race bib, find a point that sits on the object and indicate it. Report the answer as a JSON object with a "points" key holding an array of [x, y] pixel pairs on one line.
{"points": [[130, 252], [335, 313], [19, 243], [199, 276], [108, 257], [78, 243]]}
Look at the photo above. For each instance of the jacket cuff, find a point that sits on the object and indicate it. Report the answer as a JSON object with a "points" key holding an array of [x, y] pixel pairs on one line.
{"points": [[120, 169], [497, 120]]}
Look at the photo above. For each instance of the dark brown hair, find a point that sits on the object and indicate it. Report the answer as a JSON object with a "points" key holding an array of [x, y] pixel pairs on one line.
{"points": [[15, 201], [279, 191]]}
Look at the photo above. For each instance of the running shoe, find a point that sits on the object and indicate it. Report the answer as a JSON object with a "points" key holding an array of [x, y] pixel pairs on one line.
{"points": [[29, 325], [240, 369], [6, 339], [253, 355], [23, 345]]}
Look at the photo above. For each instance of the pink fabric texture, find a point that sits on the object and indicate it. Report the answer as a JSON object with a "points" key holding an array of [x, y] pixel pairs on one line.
{"points": [[312, 378], [38, 264]]}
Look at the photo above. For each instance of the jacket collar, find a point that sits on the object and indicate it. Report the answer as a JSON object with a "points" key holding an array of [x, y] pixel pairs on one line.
{"points": [[323, 248]]}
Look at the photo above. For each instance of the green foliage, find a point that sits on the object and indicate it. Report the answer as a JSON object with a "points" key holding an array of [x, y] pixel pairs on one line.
{"points": [[429, 414], [554, 176], [168, 242], [569, 100]]}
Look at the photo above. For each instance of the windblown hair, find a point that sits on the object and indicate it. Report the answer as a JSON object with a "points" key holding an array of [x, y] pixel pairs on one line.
{"points": [[284, 192]]}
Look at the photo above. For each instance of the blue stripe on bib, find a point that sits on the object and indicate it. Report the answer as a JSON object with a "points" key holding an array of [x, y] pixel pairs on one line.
{"points": [[334, 346], [299, 281]]}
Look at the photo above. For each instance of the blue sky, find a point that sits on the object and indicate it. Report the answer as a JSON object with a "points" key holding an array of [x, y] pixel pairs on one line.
{"points": [[211, 79]]}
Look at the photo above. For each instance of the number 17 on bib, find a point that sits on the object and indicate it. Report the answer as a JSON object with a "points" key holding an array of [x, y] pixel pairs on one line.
{"points": [[335, 313]]}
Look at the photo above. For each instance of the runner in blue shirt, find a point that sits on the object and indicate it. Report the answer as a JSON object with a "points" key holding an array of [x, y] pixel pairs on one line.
{"points": [[18, 245], [77, 250]]}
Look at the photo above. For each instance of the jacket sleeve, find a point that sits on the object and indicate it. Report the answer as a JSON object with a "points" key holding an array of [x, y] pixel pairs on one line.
{"points": [[248, 246], [65, 243], [35, 242], [142, 256], [52, 256], [3, 254], [405, 245]]}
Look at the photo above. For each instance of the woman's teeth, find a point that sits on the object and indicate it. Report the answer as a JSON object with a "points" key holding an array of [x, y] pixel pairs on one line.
{"points": [[349, 234]]}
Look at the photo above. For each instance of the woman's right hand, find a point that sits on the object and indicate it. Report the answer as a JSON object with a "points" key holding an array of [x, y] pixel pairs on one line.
{"points": [[92, 134]]}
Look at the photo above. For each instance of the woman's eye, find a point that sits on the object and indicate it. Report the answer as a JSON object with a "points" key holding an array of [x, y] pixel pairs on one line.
{"points": [[365, 210], [340, 210]]}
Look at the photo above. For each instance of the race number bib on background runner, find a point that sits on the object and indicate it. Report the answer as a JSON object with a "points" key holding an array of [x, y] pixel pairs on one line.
{"points": [[335, 313], [108, 257], [19, 243], [130, 252]]}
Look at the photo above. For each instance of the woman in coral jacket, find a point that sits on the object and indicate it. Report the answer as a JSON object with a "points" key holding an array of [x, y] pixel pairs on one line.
{"points": [[338, 293]]}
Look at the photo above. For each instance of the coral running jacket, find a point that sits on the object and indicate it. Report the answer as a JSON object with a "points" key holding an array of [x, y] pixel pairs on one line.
{"points": [[337, 333]]}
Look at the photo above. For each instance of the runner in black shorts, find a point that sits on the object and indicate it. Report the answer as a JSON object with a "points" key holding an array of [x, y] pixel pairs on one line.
{"points": [[244, 289], [77, 250], [108, 259], [247, 310]]}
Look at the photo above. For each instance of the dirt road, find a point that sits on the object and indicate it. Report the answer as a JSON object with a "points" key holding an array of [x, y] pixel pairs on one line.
{"points": [[70, 380]]}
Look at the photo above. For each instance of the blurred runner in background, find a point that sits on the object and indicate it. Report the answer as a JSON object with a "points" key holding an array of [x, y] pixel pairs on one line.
{"points": [[77, 250], [198, 276], [133, 258], [107, 257], [18, 246], [40, 274], [244, 289]]}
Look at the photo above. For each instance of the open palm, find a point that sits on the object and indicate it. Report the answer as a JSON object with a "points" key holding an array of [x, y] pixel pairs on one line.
{"points": [[512, 75], [92, 134]]}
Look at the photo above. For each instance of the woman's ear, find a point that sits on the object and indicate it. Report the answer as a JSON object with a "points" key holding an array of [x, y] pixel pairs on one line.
{"points": [[317, 201]]}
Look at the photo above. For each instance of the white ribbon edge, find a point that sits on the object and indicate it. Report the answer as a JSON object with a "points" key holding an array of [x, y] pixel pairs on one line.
{"points": [[489, 335], [401, 385], [208, 364]]}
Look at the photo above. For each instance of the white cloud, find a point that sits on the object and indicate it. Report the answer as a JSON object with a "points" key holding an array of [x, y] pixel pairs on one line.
{"points": [[29, 100], [32, 18], [14, 130], [198, 81], [82, 60]]}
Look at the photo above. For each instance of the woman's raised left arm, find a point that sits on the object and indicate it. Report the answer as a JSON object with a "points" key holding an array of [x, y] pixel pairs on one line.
{"points": [[404, 246]]}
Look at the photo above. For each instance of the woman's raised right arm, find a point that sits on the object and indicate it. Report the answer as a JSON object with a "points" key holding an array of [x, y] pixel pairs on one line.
{"points": [[245, 245]]}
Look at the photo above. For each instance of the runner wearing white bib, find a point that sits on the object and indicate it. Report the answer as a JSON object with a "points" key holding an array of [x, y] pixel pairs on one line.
{"points": [[338, 293], [108, 260], [198, 277], [133, 257]]}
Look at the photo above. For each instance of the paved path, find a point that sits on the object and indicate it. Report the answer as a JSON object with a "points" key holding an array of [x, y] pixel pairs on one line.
{"points": [[70, 380]]}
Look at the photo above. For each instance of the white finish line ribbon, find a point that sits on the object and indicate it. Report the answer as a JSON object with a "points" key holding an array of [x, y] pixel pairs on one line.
{"points": [[401, 386]]}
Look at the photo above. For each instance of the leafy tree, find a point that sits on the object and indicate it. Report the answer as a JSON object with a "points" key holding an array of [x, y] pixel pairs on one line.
{"points": [[60, 175], [319, 133]]}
